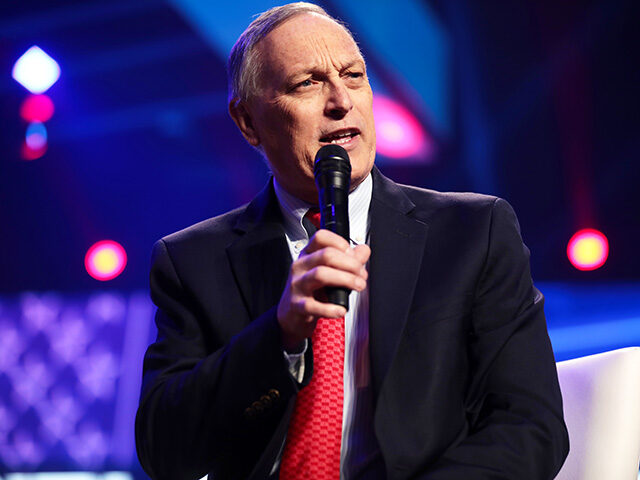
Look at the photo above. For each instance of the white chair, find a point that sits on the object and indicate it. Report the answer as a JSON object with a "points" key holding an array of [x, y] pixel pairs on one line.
{"points": [[601, 395]]}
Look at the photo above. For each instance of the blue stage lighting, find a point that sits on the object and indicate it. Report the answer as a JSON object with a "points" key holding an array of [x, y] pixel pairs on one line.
{"points": [[36, 136], [35, 70]]}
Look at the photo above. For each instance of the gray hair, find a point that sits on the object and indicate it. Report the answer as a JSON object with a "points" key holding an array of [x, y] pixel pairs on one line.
{"points": [[244, 66]]}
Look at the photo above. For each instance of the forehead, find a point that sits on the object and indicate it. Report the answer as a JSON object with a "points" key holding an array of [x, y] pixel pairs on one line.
{"points": [[305, 40]]}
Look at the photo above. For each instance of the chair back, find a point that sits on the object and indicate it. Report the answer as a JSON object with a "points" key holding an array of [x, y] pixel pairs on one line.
{"points": [[601, 396]]}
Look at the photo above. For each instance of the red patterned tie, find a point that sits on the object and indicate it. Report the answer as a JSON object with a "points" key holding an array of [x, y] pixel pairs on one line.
{"points": [[312, 450]]}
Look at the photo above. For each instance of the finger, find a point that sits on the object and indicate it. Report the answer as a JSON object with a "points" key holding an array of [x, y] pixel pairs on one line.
{"points": [[362, 253], [323, 276], [325, 238], [315, 309], [330, 257]]}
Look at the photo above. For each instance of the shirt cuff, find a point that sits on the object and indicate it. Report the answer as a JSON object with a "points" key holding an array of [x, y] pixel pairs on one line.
{"points": [[296, 362]]}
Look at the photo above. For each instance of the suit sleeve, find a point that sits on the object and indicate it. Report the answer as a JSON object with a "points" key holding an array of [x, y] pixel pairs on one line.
{"points": [[202, 400], [515, 422]]}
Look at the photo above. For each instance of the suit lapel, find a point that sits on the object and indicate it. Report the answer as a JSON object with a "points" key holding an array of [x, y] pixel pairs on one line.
{"points": [[397, 243], [260, 258]]}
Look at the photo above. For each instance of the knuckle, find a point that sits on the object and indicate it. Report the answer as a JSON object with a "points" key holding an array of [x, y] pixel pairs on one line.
{"points": [[300, 305], [298, 265], [295, 283], [328, 256], [321, 233], [306, 304]]}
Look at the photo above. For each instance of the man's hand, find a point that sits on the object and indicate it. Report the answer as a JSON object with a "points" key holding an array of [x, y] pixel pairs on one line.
{"points": [[328, 260]]}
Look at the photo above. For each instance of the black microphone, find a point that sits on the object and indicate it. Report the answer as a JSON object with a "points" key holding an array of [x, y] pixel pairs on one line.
{"points": [[332, 171]]}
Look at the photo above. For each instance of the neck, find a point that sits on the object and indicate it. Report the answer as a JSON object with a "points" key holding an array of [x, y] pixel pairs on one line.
{"points": [[311, 197]]}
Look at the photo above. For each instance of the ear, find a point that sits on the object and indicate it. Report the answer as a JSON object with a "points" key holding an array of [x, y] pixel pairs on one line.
{"points": [[242, 118]]}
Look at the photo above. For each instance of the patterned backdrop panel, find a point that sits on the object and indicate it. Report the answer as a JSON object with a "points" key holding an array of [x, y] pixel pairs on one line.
{"points": [[70, 371]]}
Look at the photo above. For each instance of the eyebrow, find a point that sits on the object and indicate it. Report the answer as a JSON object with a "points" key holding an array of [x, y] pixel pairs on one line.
{"points": [[310, 70]]}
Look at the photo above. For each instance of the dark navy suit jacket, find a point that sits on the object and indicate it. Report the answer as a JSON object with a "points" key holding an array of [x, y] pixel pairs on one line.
{"points": [[463, 374]]}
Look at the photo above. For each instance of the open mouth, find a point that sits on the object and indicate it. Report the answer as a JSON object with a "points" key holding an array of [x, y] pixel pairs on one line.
{"points": [[340, 136]]}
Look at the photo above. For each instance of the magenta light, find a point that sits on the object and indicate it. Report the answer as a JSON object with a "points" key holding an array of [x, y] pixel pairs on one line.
{"points": [[28, 153], [35, 70], [588, 249], [399, 134], [105, 260], [37, 108]]}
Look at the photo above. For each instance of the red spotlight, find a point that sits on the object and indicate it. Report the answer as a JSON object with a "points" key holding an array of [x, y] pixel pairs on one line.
{"points": [[105, 260], [588, 249], [31, 153], [37, 108]]}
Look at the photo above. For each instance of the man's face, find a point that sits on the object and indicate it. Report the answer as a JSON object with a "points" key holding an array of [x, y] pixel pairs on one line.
{"points": [[313, 91]]}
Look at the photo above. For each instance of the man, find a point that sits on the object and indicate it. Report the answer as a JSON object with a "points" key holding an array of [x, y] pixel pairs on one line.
{"points": [[448, 370]]}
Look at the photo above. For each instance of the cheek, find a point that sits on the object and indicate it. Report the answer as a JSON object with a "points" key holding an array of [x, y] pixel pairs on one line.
{"points": [[291, 127], [302, 133], [365, 107]]}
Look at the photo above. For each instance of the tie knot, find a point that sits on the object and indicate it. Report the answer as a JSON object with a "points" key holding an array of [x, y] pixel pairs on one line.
{"points": [[313, 214]]}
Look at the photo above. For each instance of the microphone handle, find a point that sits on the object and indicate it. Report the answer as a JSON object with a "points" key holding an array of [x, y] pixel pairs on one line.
{"points": [[334, 216], [338, 296]]}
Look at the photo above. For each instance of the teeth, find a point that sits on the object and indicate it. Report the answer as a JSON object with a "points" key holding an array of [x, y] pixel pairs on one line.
{"points": [[341, 140], [341, 137]]}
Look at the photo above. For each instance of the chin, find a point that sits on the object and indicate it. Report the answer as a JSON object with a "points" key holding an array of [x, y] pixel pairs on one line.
{"points": [[357, 179], [360, 173]]}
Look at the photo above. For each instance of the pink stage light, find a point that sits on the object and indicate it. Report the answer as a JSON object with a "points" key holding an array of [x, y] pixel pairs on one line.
{"points": [[28, 153], [399, 134], [105, 260], [37, 108], [588, 249]]}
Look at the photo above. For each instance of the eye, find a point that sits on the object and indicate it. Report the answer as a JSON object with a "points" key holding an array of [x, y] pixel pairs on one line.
{"points": [[304, 83], [355, 74]]}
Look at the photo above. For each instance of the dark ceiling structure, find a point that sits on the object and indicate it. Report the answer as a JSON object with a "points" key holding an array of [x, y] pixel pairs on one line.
{"points": [[541, 102]]}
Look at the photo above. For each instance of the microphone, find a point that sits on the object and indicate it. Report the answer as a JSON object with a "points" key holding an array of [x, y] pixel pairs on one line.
{"points": [[332, 171]]}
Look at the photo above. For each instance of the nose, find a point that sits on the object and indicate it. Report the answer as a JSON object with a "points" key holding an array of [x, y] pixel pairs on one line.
{"points": [[338, 100]]}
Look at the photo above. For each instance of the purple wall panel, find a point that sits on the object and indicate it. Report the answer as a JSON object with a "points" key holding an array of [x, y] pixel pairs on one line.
{"points": [[70, 370]]}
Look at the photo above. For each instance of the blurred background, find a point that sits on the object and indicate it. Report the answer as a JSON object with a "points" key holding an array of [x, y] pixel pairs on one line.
{"points": [[115, 133]]}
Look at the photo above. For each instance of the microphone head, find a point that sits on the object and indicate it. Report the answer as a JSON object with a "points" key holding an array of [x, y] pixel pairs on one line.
{"points": [[332, 159], [332, 150]]}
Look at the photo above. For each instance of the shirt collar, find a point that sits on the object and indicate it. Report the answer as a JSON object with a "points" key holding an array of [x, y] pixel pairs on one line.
{"points": [[293, 210]]}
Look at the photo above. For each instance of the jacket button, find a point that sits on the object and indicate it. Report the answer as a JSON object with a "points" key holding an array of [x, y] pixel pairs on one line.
{"points": [[274, 394], [249, 413], [265, 401], [257, 406]]}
